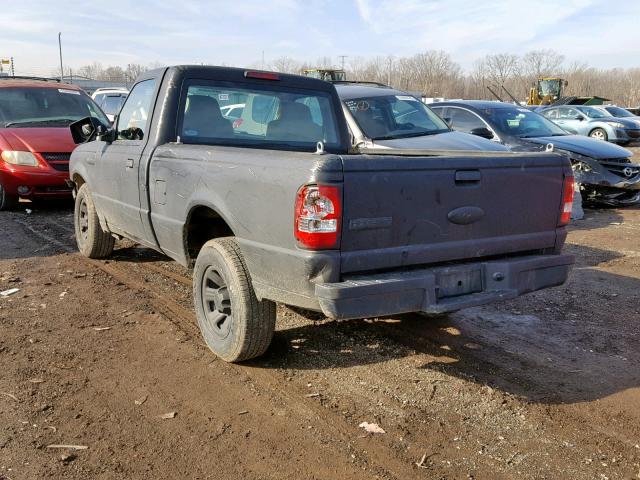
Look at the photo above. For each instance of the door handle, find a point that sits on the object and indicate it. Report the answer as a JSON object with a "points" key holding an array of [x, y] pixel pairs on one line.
{"points": [[467, 176], [129, 163]]}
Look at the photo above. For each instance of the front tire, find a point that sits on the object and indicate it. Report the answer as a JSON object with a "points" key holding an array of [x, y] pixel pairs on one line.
{"points": [[7, 201], [599, 134], [93, 242], [234, 323]]}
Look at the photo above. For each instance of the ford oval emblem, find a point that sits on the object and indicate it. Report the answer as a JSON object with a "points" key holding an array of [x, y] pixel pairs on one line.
{"points": [[465, 215]]}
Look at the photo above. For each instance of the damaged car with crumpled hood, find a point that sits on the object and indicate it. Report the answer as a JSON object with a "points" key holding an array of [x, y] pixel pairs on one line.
{"points": [[607, 173]]}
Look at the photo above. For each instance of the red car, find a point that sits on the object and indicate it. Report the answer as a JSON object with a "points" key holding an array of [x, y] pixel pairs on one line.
{"points": [[35, 140]]}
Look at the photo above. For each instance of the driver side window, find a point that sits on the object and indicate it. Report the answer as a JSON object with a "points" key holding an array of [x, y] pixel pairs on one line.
{"points": [[134, 115], [464, 121], [569, 114]]}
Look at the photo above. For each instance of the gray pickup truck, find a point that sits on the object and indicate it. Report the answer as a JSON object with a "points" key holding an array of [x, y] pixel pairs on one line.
{"points": [[276, 206]]}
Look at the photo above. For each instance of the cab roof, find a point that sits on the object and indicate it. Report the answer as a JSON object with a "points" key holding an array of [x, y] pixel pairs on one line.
{"points": [[349, 91], [176, 73], [480, 104]]}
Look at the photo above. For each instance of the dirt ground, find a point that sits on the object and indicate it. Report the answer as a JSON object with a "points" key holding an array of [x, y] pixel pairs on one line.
{"points": [[95, 353]]}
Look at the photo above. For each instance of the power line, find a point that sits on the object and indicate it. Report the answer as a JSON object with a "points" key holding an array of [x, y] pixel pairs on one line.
{"points": [[342, 57]]}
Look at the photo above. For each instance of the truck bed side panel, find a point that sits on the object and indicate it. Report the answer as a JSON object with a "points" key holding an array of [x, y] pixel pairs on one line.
{"points": [[254, 191]]}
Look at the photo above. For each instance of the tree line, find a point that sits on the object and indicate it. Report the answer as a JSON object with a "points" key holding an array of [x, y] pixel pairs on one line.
{"points": [[435, 73]]}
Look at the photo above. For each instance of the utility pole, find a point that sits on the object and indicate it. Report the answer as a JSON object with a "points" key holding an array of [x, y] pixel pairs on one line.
{"points": [[389, 73], [60, 50], [342, 57], [13, 68], [262, 59]]}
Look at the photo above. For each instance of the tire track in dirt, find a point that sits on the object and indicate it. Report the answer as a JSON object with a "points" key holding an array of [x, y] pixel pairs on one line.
{"points": [[384, 456], [379, 459]]}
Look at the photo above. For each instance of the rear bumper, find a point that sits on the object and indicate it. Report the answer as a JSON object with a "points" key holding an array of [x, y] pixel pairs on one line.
{"points": [[442, 289]]}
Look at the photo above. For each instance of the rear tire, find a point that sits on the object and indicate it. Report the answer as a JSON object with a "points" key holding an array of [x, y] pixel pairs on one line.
{"points": [[7, 201], [93, 242], [599, 134], [234, 323]]}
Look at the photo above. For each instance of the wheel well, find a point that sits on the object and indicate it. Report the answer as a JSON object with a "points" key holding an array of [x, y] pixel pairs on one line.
{"points": [[78, 180], [203, 224]]}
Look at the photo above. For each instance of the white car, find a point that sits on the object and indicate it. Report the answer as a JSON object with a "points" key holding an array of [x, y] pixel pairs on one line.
{"points": [[110, 100], [232, 112]]}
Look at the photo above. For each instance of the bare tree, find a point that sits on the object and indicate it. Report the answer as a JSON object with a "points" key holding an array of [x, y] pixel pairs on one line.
{"points": [[433, 73], [113, 74], [502, 67], [537, 63], [92, 71], [132, 71], [478, 81], [285, 65]]}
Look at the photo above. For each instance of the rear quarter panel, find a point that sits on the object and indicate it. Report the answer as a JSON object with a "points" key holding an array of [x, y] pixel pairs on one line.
{"points": [[254, 191]]}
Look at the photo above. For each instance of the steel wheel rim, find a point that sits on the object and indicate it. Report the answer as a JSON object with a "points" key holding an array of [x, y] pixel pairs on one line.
{"points": [[83, 221], [216, 303]]}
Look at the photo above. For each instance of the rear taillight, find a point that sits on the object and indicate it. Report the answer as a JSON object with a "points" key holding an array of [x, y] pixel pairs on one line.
{"points": [[567, 200], [318, 216]]}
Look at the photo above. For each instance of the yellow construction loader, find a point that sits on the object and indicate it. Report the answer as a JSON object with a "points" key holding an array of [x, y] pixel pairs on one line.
{"points": [[549, 91]]}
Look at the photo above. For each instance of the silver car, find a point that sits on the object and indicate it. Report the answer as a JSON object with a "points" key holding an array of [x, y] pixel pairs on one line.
{"points": [[591, 121], [618, 112], [380, 117]]}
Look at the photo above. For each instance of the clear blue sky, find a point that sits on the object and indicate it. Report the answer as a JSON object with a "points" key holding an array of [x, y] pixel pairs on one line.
{"points": [[235, 32]]}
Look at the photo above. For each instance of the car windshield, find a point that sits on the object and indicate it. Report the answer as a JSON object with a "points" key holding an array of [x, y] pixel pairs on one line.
{"points": [[592, 112], [619, 112], [550, 87], [394, 116], [522, 123], [38, 106]]}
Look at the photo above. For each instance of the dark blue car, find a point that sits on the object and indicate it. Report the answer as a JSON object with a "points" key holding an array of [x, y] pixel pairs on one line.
{"points": [[606, 172]]}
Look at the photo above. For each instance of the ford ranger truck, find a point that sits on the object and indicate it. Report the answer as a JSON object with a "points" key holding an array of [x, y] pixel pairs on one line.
{"points": [[280, 207]]}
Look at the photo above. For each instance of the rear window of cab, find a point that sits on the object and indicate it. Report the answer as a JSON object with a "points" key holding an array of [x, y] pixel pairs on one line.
{"points": [[262, 116]]}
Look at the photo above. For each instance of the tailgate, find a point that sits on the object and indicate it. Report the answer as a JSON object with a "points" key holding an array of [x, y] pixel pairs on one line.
{"points": [[402, 211]]}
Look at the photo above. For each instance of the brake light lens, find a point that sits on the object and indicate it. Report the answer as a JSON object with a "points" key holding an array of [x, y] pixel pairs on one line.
{"points": [[261, 75], [318, 215], [567, 200]]}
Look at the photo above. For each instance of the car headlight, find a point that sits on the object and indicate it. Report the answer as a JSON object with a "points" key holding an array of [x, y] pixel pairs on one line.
{"points": [[19, 158], [580, 163], [617, 125], [581, 166]]}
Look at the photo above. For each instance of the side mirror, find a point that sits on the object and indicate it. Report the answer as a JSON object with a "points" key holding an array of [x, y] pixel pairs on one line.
{"points": [[88, 129], [107, 135], [483, 132], [84, 130], [579, 117]]}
